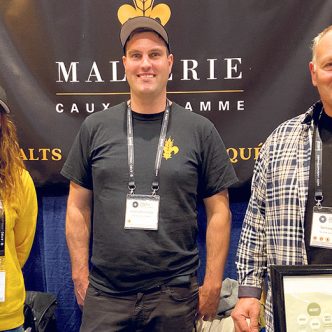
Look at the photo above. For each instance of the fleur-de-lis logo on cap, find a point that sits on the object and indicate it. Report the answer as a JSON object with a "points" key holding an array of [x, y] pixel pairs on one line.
{"points": [[162, 12]]}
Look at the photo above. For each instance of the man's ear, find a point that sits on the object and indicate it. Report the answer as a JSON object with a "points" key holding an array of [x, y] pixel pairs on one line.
{"points": [[170, 61], [312, 68]]}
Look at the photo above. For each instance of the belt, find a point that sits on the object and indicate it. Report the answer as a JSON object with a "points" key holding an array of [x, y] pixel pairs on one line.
{"points": [[178, 281], [181, 280]]}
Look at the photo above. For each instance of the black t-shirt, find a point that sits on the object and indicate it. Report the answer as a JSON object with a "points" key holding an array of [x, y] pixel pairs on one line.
{"points": [[320, 255], [194, 166]]}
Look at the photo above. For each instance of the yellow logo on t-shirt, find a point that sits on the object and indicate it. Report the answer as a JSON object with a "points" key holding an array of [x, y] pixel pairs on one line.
{"points": [[170, 148]]}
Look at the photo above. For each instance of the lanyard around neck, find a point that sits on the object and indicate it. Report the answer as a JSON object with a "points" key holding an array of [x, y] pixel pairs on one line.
{"points": [[318, 165], [130, 143], [2, 230]]}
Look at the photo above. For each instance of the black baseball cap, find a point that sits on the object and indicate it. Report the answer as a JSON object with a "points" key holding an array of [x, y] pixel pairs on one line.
{"points": [[142, 23]]}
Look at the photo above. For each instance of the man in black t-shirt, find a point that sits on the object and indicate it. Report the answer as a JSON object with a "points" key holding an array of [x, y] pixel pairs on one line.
{"points": [[289, 217], [137, 171]]}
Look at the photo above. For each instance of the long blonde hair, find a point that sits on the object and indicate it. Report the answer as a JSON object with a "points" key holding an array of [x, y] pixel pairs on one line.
{"points": [[11, 164]]}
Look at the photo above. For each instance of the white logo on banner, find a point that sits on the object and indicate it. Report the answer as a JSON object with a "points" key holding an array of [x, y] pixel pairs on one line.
{"points": [[220, 69]]}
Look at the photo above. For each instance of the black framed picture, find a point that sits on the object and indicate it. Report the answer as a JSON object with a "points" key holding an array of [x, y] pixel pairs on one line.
{"points": [[302, 297]]}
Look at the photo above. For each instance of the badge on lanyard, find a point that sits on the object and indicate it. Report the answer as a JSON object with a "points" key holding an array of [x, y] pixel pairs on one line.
{"points": [[321, 229], [2, 253], [142, 212], [2, 285]]}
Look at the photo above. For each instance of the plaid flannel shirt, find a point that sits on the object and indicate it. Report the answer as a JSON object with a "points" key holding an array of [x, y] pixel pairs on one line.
{"points": [[273, 228]]}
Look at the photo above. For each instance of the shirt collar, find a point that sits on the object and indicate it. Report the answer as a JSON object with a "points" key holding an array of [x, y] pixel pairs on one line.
{"points": [[313, 113]]}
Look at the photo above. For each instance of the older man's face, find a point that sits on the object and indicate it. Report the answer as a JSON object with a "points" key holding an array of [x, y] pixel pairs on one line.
{"points": [[321, 71]]}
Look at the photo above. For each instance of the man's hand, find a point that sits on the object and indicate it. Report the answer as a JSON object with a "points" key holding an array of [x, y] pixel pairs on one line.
{"points": [[246, 309], [80, 287], [209, 297]]}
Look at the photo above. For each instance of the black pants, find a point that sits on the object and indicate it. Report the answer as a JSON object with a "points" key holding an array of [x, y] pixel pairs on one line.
{"points": [[169, 308]]}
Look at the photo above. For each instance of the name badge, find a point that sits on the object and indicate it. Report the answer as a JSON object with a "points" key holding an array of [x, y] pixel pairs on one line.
{"points": [[321, 229], [142, 212], [2, 285]]}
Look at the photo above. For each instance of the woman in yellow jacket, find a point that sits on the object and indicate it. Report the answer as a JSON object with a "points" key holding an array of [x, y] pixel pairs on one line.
{"points": [[18, 214]]}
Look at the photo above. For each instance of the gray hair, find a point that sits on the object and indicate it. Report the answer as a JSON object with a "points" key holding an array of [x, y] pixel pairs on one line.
{"points": [[317, 39]]}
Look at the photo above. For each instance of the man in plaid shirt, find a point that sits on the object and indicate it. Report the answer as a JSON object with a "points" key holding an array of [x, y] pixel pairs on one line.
{"points": [[277, 229]]}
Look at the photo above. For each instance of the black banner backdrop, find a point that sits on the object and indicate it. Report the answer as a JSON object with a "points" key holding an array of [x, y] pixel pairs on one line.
{"points": [[243, 64]]}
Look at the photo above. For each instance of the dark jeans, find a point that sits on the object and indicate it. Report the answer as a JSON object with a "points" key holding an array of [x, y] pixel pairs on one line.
{"points": [[167, 308]]}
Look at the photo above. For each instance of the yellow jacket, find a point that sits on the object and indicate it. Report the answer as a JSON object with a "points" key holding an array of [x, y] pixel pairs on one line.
{"points": [[21, 217]]}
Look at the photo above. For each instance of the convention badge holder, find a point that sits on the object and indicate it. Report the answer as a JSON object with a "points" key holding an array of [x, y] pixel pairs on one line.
{"points": [[2, 253], [2, 279], [142, 212], [2, 286], [321, 230]]}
